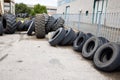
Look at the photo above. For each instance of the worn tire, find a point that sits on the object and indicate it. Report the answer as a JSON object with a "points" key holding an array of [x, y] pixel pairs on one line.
{"points": [[57, 37], [74, 38], [31, 28], [91, 46], [18, 25], [26, 24], [68, 37], [112, 52], [9, 21], [1, 28], [50, 23], [80, 41], [46, 18], [58, 24], [89, 35], [40, 26]]}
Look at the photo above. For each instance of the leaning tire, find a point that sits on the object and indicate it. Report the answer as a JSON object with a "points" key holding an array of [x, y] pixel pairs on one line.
{"points": [[57, 37], [18, 25], [58, 24], [80, 41], [91, 46], [74, 38], [110, 51], [31, 28], [50, 23], [40, 26], [68, 37], [1, 28]]}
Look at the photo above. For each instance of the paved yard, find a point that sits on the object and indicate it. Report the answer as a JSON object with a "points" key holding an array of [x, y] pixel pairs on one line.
{"points": [[26, 58]]}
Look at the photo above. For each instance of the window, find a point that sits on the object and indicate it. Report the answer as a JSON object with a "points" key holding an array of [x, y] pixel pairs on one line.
{"points": [[87, 13]]}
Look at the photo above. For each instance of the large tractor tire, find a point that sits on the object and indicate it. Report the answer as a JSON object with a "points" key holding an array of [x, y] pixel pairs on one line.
{"points": [[40, 26], [9, 23]]}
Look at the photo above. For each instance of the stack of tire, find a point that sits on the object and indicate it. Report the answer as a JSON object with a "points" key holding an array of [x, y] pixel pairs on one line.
{"points": [[63, 37], [45, 24], [105, 54], [8, 24]]}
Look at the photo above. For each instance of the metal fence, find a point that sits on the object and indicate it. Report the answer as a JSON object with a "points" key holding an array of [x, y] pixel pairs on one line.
{"points": [[106, 25]]}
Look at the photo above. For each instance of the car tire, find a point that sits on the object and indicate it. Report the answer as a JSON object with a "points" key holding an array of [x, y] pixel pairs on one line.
{"points": [[68, 36], [79, 42], [57, 37], [58, 24], [91, 46], [112, 52]]}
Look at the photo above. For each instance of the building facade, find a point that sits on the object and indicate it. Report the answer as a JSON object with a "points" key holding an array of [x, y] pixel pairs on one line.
{"points": [[7, 6], [92, 8]]}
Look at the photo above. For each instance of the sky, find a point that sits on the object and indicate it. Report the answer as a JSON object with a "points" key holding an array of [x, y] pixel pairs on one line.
{"points": [[42, 2]]}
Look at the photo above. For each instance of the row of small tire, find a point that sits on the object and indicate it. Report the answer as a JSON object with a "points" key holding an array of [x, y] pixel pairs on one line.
{"points": [[105, 54]]}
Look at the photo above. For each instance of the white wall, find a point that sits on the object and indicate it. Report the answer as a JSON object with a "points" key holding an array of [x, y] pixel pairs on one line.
{"points": [[77, 6]]}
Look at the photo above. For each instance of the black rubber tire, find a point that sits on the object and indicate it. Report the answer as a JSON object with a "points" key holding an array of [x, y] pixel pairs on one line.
{"points": [[91, 46], [104, 39], [57, 37], [9, 21], [49, 24], [68, 37], [74, 38], [21, 27], [1, 28], [18, 25], [46, 18], [40, 26], [31, 28], [27, 24], [89, 35], [58, 24], [112, 52], [80, 41]]}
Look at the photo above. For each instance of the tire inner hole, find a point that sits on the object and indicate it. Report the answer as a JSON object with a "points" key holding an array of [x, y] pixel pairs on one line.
{"points": [[56, 33], [106, 55], [90, 46]]}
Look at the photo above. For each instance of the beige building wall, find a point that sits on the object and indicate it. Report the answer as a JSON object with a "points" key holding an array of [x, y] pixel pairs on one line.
{"points": [[113, 6], [76, 6], [84, 5]]}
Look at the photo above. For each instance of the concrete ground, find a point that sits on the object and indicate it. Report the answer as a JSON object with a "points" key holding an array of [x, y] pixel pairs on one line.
{"points": [[26, 58]]}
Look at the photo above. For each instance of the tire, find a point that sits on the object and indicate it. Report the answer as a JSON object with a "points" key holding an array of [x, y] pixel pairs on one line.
{"points": [[104, 39], [57, 37], [49, 24], [9, 21], [68, 36], [26, 24], [112, 52], [46, 18], [91, 46], [1, 28], [74, 38], [31, 28], [79, 42], [18, 25], [40, 26], [89, 35], [58, 24]]}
